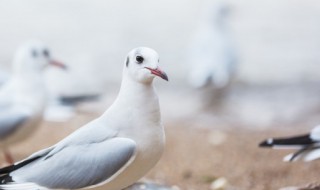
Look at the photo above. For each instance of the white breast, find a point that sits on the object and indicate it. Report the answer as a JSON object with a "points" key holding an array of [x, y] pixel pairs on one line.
{"points": [[141, 122]]}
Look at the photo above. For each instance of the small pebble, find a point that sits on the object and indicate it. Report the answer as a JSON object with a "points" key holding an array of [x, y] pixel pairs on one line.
{"points": [[217, 137], [142, 186], [219, 184], [150, 186], [175, 187]]}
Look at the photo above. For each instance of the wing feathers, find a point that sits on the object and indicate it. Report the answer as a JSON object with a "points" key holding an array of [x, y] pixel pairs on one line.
{"points": [[302, 140], [308, 147], [76, 166]]}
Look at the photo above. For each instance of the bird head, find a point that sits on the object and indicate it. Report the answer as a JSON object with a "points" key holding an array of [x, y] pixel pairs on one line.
{"points": [[142, 65], [34, 56]]}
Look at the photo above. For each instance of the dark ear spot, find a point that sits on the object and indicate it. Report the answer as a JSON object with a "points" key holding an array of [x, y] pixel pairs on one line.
{"points": [[46, 53], [127, 61]]}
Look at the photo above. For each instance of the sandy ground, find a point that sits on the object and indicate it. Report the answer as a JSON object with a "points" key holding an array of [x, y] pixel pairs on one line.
{"points": [[193, 159], [195, 156]]}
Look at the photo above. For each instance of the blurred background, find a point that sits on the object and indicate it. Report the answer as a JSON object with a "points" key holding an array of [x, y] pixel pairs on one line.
{"points": [[259, 77]]}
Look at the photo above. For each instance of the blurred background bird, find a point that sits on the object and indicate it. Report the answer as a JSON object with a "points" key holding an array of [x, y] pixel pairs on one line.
{"points": [[23, 96], [212, 54]]}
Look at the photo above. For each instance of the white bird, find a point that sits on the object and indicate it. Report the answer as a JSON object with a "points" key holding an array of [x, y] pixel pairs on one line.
{"points": [[308, 145], [22, 98], [212, 55], [114, 150]]}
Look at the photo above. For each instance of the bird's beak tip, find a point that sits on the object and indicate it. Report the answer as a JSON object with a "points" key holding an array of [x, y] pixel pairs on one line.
{"points": [[165, 77], [158, 72], [58, 64]]}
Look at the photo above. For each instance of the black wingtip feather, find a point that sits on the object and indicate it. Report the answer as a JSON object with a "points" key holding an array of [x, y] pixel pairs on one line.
{"points": [[303, 140], [4, 172], [11, 168], [297, 140], [265, 144]]}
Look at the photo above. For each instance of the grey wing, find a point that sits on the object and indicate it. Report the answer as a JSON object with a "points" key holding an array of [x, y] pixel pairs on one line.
{"points": [[79, 166], [10, 121], [93, 132]]}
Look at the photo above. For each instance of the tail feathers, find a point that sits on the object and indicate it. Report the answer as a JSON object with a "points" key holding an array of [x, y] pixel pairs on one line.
{"points": [[303, 140], [21, 186], [7, 182], [4, 179]]}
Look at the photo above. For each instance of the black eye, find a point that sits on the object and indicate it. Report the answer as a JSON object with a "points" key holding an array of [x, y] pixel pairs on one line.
{"points": [[46, 53], [34, 53], [139, 59]]}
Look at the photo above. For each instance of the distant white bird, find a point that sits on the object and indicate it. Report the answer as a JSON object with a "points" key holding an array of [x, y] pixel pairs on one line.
{"points": [[212, 55], [308, 145], [114, 150], [22, 98]]}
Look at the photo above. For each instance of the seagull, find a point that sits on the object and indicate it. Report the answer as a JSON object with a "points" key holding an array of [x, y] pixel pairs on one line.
{"points": [[114, 150], [308, 145], [212, 55], [22, 97]]}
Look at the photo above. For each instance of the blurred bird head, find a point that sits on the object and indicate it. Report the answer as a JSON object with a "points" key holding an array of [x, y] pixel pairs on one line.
{"points": [[33, 57], [215, 13], [142, 65]]}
